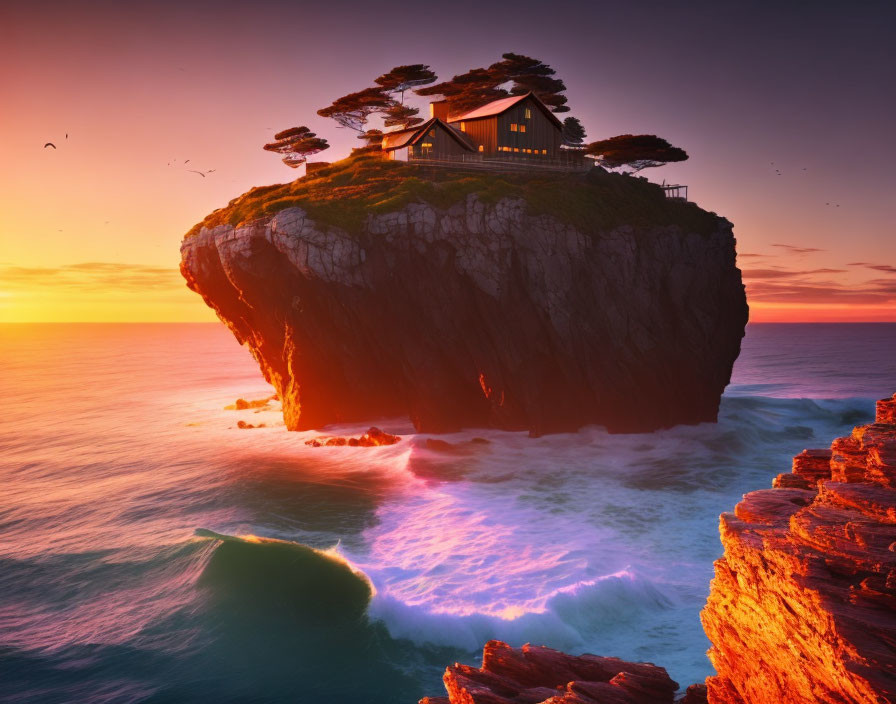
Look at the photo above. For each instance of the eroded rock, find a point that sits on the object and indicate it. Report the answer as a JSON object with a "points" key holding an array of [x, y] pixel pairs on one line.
{"points": [[538, 675], [803, 605]]}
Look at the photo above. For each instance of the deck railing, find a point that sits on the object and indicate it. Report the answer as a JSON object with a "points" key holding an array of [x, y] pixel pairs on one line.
{"points": [[675, 191], [491, 162]]}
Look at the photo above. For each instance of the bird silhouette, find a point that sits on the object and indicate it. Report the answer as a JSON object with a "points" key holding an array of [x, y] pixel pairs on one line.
{"points": [[196, 172], [187, 161], [49, 144], [66, 135]]}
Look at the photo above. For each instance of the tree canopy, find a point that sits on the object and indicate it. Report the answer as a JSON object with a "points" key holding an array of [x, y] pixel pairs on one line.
{"points": [[573, 133], [353, 110], [402, 78], [478, 86], [297, 144], [636, 151]]}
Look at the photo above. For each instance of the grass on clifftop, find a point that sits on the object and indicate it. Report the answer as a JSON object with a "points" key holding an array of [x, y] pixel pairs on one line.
{"points": [[346, 192]]}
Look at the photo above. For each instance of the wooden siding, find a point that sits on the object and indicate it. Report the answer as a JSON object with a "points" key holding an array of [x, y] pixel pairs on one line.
{"points": [[493, 132], [481, 131], [442, 143], [540, 132]]}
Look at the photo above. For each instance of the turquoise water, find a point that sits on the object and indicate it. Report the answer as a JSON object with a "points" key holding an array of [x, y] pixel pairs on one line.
{"points": [[152, 551]]}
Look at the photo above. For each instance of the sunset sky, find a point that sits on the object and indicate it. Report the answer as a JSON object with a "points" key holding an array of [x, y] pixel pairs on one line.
{"points": [[90, 231]]}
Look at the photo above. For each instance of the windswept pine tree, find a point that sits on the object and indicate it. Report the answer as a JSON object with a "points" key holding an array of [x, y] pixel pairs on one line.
{"points": [[297, 144], [479, 86], [573, 132], [635, 151], [402, 78], [354, 110]]}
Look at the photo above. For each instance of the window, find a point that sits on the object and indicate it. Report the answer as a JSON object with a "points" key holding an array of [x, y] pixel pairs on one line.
{"points": [[426, 145], [481, 148], [544, 151], [514, 127], [528, 113], [463, 126], [522, 128], [516, 149]]}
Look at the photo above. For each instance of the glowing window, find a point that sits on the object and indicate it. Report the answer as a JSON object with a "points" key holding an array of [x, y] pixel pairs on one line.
{"points": [[544, 151], [516, 149], [481, 148], [463, 127], [522, 128], [528, 113], [426, 144], [514, 127]]}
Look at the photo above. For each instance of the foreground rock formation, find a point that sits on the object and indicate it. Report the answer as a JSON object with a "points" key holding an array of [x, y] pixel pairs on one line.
{"points": [[802, 609], [532, 674], [803, 605], [483, 313]]}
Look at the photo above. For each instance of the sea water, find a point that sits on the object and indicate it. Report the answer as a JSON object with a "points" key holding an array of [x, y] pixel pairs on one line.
{"points": [[152, 551]]}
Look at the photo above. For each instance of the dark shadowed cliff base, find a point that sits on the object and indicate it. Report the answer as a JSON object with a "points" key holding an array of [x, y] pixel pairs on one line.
{"points": [[542, 303]]}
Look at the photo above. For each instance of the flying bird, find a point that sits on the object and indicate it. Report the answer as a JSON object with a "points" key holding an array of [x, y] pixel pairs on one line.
{"points": [[187, 161], [211, 171], [49, 144], [66, 135], [196, 172]]}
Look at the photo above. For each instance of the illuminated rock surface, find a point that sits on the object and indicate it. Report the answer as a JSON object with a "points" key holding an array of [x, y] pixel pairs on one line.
{"points": [[532, 674], [803, 605], [485, 312]]}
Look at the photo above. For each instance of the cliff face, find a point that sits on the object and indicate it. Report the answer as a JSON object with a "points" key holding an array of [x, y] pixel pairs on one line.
{"points": [[480, 314], [803, 604]]}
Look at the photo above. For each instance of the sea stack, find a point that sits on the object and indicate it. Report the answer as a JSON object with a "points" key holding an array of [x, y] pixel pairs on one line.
{"points": [[803, 605], [543, 302]]}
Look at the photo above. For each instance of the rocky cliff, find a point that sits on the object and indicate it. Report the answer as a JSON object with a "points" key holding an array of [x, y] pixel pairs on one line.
{"points": [[538, 303], [803, 605], [802, 609]]}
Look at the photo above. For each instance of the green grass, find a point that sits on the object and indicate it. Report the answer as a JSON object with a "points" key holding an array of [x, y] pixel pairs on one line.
{"points": [[346, 192]]}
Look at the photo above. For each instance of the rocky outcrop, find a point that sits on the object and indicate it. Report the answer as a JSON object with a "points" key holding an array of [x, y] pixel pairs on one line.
{"points": [[803, 605], [480, 314], [532, 674], [374, 437]]}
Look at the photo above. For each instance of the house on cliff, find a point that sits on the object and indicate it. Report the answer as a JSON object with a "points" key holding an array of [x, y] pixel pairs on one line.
{"points": [[519, 129]]}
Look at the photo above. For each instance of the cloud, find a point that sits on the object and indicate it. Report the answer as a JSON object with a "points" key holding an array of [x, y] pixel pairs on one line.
{"points": [[91, 277], [749, 255], [778, 273], [886, 268], [817, 286], [798, 250], [878, 291]]}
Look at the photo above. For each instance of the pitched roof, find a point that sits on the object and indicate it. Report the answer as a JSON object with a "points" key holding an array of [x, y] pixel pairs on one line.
{"points": [[496, 107], [402, 138], [398, 139]]}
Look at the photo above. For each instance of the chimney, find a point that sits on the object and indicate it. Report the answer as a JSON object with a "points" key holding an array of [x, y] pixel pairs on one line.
{"points": [[439, 109]]}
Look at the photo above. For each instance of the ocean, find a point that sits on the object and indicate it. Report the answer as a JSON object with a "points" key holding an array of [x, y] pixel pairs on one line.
{"points": [[152, 551]]}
